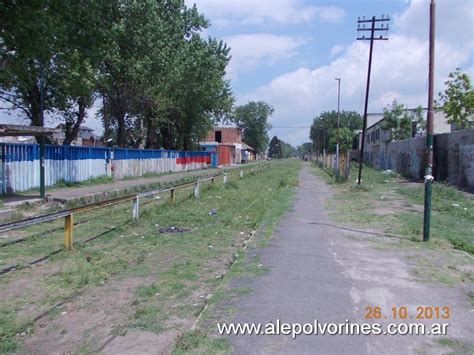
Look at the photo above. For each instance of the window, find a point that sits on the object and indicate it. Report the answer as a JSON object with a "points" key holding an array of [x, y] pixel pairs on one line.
{"points": [[218, 136]]}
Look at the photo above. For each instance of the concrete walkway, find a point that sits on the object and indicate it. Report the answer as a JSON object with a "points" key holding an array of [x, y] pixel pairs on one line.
{"points": [[66, 195], [321, 272], [305, 282]]}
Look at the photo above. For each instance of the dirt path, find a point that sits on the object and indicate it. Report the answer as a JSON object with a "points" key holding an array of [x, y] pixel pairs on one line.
{"points": [[318, 271]]}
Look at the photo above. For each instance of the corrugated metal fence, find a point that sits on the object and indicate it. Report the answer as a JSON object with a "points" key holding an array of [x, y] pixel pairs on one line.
{"points": [[19, 168]]}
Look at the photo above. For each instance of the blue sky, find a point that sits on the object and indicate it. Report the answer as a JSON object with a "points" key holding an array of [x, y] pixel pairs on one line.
{"points": [[315, 38], [288, 52]]}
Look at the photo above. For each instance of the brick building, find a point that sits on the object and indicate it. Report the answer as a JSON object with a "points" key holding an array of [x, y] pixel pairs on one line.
{"points": [[227, 143]]}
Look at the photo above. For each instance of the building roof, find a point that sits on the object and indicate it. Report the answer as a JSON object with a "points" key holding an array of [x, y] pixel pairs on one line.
{"points": [[22, 130], [246, 146]]}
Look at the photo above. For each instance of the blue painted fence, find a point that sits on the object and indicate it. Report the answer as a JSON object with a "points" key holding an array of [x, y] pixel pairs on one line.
{"points": [[19, 167]]}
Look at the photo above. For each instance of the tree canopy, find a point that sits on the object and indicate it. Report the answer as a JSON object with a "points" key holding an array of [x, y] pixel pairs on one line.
{"points": [[161, 83], [323, 130], [457, 101], [253, 119], [279, 149], [399, 121], [275, 150]]}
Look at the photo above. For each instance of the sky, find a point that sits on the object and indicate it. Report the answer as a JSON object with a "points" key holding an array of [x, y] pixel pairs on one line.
{"points": [[289, 52]]}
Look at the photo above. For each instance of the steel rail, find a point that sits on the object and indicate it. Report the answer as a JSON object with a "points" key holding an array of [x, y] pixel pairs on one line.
{"points": [[5, 227]]}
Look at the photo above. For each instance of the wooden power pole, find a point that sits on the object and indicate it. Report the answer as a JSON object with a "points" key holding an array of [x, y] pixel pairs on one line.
{"points": [[429, 129], [361, 27]]}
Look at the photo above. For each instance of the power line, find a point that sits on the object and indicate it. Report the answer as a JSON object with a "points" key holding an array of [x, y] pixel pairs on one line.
{"points": [[373, 29], [290, 127]]}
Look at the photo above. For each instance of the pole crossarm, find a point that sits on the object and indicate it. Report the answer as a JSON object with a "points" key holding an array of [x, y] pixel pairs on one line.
{"points": [[373, 30]]}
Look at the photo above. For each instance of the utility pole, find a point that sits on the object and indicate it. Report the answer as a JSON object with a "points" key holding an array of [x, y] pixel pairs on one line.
{"points": [[324, 143], [429, 129], [41, 138], [361, 27], [337, 130]]}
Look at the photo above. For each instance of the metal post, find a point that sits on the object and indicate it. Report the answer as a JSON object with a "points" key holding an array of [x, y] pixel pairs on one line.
{"points": [[41, 138], [225, 178], [173, 196], [324, 145], [68, 229], [337, 131], [4, 180], [136, 208], [197, 189], [429, 129], [42, 166]]}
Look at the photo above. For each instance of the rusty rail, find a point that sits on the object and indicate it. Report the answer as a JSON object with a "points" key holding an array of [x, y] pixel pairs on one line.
{"points": [[68, 214]]}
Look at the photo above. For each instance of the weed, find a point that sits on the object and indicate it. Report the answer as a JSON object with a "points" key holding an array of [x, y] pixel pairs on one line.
{"points": [[176, 268], [452, 216], [197, 342]]}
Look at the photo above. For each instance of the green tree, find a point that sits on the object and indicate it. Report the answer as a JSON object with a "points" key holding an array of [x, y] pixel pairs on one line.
{"points": [[346, 138], [323, 130], [287, 150], [457, 101], [50, 57], [304, 149], [275, 149], [77, 63], [398, 120], [28, 44], [161, 84], [162, 81], [253, 119]]}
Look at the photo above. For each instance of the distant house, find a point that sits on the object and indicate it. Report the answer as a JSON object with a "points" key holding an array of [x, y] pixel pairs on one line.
{"points": [[375, 134], [85, 136], [227, 143]]}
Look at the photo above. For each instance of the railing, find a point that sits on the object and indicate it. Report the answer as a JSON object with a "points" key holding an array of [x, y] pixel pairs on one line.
{"points": [[69, 214]]}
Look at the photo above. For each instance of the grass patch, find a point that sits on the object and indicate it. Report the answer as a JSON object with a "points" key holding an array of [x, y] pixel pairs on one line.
{"points": [[389, 203], [455, 346], [247, 264], [198, 342], [175, 269]]}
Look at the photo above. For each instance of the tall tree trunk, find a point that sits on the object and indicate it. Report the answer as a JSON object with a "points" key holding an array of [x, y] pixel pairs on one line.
{"points": [[121, 130], [151, 139], [33, 97], [73, 130], [165, 134]]}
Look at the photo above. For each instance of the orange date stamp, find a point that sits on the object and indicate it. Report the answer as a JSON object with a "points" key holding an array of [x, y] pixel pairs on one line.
{"points": [[401, 312]]}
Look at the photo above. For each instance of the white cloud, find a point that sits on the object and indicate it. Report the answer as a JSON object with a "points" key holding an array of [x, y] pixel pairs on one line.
{"points": [[337, 49], [399, 71], [226, 12], [250, 50], [331, 14]]}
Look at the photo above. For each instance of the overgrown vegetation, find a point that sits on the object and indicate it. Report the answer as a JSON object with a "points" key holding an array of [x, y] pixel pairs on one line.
{"points": [[324, 131], [173, 270], [398, 120], [161, 81], [457, 101], [388, 202]]}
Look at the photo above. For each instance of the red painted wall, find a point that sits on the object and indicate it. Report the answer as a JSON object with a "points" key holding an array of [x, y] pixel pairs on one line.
{"points": [[226, 154]]}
